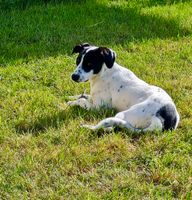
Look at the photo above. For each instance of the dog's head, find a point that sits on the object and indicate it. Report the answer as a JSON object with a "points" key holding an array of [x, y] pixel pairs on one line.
{"points": [[90, 61]]}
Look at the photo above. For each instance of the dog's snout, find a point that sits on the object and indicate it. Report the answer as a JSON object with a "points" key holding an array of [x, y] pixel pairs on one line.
{"points": [[75, 77]]}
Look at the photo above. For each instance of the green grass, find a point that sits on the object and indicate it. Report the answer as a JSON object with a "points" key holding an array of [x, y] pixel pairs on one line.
{"points": [[43, 152]]}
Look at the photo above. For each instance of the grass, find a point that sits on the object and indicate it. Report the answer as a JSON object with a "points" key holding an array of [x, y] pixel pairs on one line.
{"points": [[43, 152]]}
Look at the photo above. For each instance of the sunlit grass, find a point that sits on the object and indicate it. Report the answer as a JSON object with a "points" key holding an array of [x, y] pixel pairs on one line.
{"points": [[44, 154]]}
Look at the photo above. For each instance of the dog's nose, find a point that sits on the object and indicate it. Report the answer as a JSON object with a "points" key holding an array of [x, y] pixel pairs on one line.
{"points": [[75, 77]]}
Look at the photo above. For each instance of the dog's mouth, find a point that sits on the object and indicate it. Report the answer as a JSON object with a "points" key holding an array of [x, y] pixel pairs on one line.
{"points": [[79, 81]]}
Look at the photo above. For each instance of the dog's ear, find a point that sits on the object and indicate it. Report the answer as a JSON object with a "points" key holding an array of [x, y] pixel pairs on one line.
{"points": [[80, 47], [108, 56]]}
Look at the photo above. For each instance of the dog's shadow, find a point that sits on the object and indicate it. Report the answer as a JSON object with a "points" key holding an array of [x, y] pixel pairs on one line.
{"points": [[61, 117], [54, 120], [65, 116]]}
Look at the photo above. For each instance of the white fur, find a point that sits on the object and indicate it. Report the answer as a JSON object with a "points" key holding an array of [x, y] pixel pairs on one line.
{"points": [[119, 88]]}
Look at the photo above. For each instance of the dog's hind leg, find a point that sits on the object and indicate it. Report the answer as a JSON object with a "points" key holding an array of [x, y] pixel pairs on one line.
{"points": [[110, 122], [156, 124]]}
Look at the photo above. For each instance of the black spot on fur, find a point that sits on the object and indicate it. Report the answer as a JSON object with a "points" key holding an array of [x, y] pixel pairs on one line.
{"points": [[156, 100], [168, 116], [120, 88], [143, 110], [106, 124]]}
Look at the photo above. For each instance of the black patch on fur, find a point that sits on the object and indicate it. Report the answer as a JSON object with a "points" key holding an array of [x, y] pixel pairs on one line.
{"points": [[79, 57], [78, 60], [93, 60], [80, 47], [108, 56], [168, 116]]}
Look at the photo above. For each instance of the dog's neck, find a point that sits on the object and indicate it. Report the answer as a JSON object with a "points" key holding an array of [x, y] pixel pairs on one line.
{"points": [[105, 71], [106, 74]]}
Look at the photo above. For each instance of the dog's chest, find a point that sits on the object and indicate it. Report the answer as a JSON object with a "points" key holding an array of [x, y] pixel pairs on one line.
{"points": [[101, 94]]}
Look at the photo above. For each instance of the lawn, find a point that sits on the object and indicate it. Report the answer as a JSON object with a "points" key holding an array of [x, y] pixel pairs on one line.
{"points": [[44, 154]]}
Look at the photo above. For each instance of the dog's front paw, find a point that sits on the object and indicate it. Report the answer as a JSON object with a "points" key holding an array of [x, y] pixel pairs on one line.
{"points": [[71, 103], [74, 97]]}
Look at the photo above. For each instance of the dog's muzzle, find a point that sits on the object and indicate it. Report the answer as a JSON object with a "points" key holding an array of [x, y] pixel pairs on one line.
{"points": [[75, 77]]}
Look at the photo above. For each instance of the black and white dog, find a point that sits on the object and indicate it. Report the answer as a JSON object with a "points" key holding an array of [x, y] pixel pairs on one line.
{"points": [[142, 107]]}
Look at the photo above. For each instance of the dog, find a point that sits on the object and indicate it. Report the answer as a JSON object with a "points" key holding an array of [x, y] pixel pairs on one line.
{"points": [[140, 106]]}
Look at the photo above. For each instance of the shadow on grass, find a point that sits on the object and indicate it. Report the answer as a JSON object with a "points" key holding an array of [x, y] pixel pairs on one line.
{"points": [[58, 119], [43, 31], [9, 5], [135, 136], [49, 121]]}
